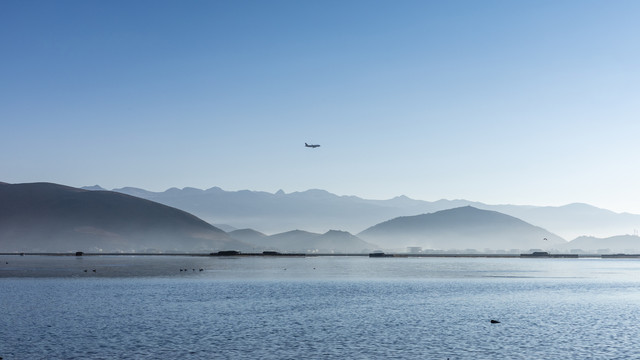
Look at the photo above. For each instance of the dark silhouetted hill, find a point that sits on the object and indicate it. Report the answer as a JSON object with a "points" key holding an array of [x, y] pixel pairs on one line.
{"points": [[460, 229], [45, 217]]}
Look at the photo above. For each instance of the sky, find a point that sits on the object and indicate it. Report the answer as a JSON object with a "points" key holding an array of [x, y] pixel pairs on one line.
{"points": [[502, 102]]}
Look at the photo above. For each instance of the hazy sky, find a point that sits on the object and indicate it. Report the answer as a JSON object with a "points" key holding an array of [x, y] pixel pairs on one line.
{"points": [[523, 102]]}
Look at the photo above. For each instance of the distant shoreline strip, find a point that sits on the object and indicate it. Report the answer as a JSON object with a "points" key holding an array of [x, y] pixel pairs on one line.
{"points": [[387, 255]]}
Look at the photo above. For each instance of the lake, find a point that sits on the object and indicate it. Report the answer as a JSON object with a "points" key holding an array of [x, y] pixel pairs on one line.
{"points": [[180, 307]]}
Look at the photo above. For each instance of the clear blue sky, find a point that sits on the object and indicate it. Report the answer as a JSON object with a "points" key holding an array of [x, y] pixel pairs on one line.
{"points": [[522, 102]]}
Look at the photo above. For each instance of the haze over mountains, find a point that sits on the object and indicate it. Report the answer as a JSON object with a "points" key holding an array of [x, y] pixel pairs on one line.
{"points": [[623, 244], [45, 217], [319, 211], [333, 241]]}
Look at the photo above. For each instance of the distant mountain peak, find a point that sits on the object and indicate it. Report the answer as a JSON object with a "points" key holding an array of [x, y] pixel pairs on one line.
{"points": [[315, 192], [297, 232], [94, 188], [214, 190], [337, 232]]}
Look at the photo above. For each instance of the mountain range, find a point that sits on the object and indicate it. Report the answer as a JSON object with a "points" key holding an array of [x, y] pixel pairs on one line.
{"points": [[319, 211], [45, 217]]}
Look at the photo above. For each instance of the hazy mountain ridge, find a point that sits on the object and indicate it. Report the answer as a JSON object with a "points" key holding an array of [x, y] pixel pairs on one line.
{"points": [[629, 244], [46, 217], [459, 229], [577, 219], [333, 241], [318, 211], [312, 210]]}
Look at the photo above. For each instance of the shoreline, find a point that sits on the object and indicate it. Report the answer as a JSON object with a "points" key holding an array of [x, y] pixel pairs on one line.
{"points": [[386, 255]]}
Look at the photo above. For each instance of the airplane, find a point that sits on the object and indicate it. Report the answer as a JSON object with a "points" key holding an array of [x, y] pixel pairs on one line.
{"points": [[311, 146]]}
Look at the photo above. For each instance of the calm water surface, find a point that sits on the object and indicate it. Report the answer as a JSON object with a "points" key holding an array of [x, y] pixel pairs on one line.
{"points": [[325, 307]]}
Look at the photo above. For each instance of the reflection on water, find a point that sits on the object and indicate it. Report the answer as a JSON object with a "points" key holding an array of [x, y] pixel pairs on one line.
{"points": [[286, 308]]}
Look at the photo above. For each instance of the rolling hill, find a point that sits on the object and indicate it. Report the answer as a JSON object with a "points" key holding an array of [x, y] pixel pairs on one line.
{"points": [[459, 229], [629, 244], [332, 241], [45, 217]]}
